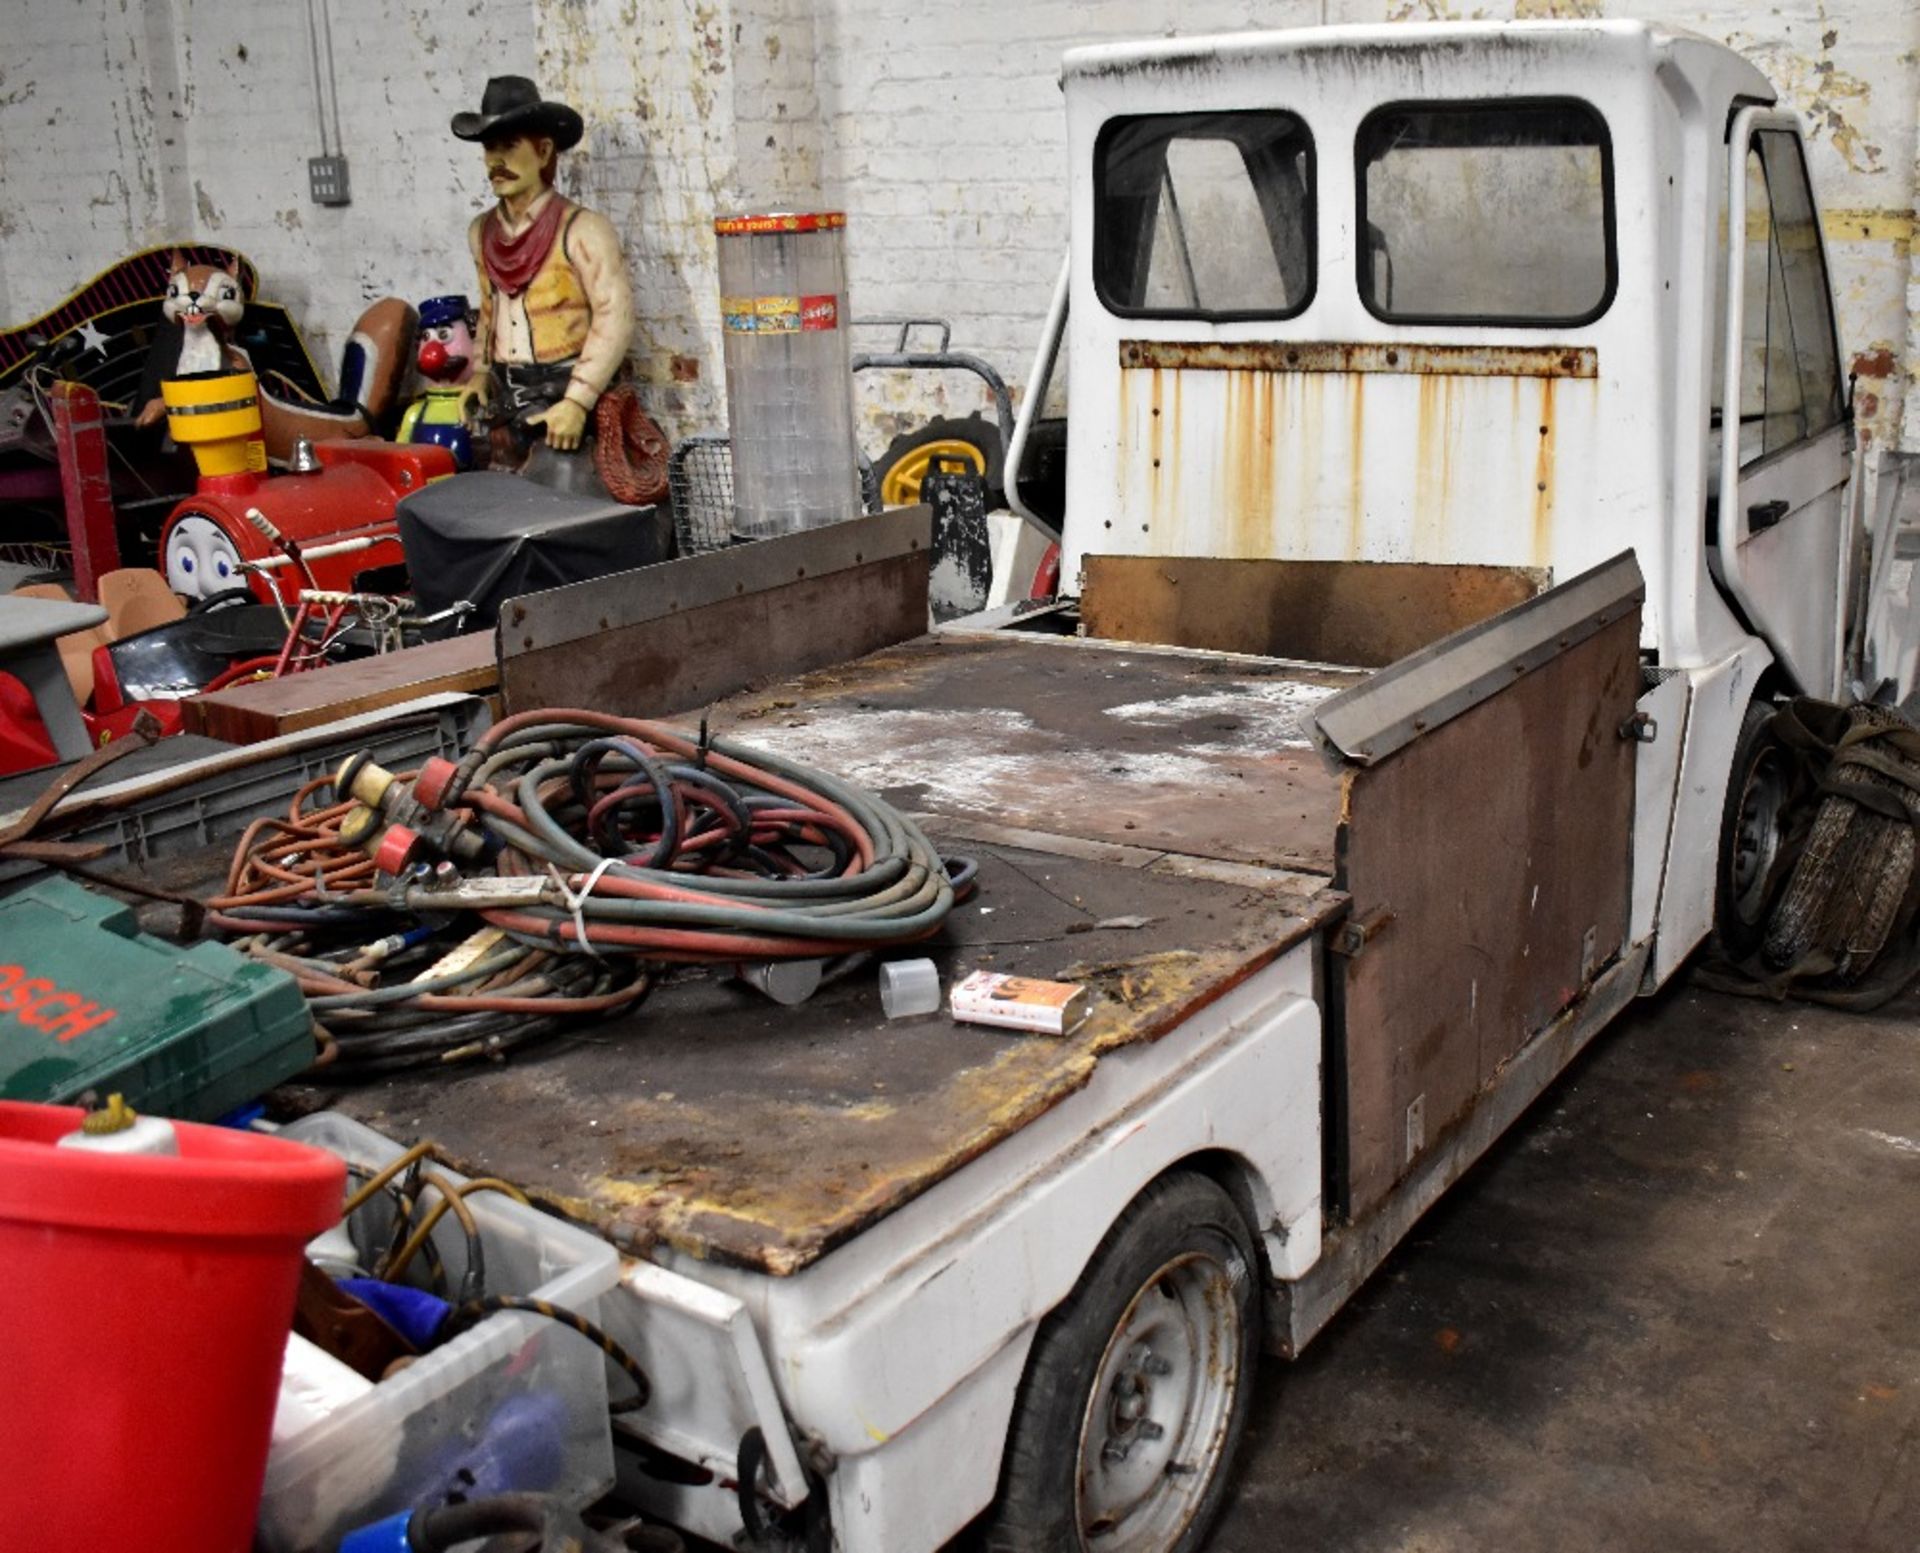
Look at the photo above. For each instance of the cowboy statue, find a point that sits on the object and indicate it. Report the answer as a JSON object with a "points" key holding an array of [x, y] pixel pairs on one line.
{"points": [[556, 312]]}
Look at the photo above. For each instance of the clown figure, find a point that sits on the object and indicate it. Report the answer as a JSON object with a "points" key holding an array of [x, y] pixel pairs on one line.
{"points": [[445, 358]]}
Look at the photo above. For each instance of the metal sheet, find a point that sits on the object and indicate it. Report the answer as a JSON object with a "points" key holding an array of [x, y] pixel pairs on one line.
{"points": [[1363, 356], [1491, 862], [1424, 691], [1369, 613], [670, 638], [583, 610], [1349, 1254], [1666, 702]]}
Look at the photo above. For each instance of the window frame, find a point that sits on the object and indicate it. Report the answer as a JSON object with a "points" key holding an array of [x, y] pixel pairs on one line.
{"points": [[1828, 308], [1362, 277], [1310, 235]]}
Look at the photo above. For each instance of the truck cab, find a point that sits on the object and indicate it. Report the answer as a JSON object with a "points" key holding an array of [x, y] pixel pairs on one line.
{"points": [[1462, 294]]}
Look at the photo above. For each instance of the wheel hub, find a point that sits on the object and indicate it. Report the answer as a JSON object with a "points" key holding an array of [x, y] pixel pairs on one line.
{"points": [[1158, 1412], [1757, 833]]}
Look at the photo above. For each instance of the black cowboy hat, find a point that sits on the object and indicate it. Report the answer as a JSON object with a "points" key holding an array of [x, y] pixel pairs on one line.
{"points": [[511, 105]]}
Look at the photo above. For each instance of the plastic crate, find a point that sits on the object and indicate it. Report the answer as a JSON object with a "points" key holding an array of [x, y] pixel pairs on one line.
{"points": [[177, 810], [517, 1403]]}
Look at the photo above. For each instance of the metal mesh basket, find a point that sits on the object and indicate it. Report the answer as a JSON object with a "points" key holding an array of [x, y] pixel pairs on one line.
{"points": [[700, 484]]}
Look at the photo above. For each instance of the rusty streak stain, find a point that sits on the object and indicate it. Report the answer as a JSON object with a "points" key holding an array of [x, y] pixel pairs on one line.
{"points": [[1177, 437], [1357, 465], [1268, 389], [1433, 474], [1543, 478], [1544, 361], [1309, 448], [1430, 437], [1236, 438]]}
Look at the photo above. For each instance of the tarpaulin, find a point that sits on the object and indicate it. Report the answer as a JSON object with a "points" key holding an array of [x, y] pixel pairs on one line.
{"points": [[489, 537]]}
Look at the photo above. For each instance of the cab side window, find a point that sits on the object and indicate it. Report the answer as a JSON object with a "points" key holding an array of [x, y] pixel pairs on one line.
{"points": [[1204, 215], [1790, 361]]}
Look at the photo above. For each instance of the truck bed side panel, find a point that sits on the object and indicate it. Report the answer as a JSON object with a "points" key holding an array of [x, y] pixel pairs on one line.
{"points": [[1492, 858]]}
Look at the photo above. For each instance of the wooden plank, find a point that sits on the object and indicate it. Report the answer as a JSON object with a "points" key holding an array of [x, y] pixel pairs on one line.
{"points": [[763, 1136], [1495, 856], [246, 714], [1365, 613]]}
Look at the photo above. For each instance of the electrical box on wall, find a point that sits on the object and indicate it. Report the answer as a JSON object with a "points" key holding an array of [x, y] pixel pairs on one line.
{"points": [[327, 179]]}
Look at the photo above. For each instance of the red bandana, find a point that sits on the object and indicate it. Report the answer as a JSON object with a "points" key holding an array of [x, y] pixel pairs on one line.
{"points": [[512, 262]]}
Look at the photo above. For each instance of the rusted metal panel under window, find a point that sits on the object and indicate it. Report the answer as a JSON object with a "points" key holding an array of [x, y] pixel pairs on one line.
{"points": [[1366, 613], [1581, 361]]}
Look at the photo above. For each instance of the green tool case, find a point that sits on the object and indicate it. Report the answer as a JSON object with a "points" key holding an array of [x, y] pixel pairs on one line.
{"points": [[89, 1003]]}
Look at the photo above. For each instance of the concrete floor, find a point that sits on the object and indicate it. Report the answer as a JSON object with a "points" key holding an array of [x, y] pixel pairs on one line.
{"points": [[1677, 1308]]}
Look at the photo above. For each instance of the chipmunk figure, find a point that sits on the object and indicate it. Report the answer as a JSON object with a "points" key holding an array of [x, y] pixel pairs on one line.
{"points": [[204, 304]]}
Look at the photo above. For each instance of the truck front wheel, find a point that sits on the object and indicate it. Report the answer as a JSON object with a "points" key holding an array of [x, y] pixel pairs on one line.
{"points": [[1138, 1387], [1752, 832]]}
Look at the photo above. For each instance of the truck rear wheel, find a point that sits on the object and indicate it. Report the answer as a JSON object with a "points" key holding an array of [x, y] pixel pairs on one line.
{"points": [[1137, 1390], [1753, 829]]}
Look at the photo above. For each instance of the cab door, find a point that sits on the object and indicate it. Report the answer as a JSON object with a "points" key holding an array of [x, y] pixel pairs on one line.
{"points": [[1785, 439]]}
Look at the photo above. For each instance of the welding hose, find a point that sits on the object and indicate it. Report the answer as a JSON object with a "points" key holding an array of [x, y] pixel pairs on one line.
{"points": [[615, 844], [892, 889]]}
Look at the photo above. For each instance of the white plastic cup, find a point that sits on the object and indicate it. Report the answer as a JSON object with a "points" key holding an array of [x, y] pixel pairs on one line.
{"points": [[909, 987]]}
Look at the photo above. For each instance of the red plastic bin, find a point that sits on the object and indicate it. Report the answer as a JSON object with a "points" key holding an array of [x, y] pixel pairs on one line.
{"points": [[144, 1310]]}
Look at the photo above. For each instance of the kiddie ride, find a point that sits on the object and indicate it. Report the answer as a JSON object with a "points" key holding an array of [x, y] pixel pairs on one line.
{"points": [[267, 566], [330, 517]]}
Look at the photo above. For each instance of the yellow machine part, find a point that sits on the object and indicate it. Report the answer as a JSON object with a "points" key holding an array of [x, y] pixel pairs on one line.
{"points": [[219, 418], [900, 481]]}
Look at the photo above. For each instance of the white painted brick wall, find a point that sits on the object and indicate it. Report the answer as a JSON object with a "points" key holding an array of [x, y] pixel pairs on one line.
{"points": [[938, 129], [81, 147], [100, 154]]}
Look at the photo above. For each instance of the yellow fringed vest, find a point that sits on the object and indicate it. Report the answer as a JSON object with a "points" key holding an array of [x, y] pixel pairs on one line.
{"points": [[557, 309], [556, 303]]}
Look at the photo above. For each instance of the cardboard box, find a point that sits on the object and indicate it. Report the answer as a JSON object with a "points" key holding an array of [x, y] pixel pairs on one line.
{"points": [[1020, 1002]]}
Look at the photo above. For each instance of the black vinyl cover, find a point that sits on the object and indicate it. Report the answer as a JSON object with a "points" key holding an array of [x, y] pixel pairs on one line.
{"points": [[490, 537], [180, 657]]}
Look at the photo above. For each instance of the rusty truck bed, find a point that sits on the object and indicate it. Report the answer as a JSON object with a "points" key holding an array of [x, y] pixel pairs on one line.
{"points": [[1097, 785]]}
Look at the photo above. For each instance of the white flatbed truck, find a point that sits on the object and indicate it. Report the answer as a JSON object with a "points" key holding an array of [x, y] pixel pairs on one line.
{"points": [[1447, 502]]}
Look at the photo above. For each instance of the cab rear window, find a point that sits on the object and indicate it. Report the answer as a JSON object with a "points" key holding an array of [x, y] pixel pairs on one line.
{"points": [[1204, 215], [1497, 213]]}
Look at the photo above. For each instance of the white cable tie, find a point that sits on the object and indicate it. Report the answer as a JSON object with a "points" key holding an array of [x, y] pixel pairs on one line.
{"points": [[576, 903]]}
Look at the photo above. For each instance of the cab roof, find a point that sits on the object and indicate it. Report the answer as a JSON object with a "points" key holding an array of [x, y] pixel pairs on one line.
{"points": [[1712, 68]]}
